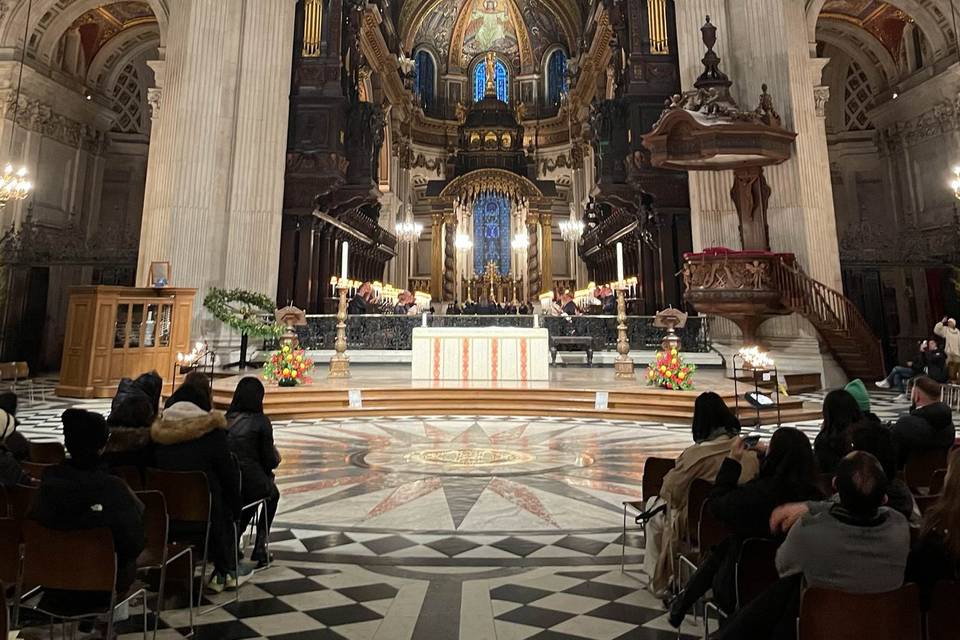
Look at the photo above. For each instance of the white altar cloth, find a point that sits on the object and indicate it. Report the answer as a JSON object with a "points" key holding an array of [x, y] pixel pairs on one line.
{"points": [[484, 353]]}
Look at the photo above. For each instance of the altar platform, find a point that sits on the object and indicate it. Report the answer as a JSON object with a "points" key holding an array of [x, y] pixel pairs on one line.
{"points": [[388, 390]]}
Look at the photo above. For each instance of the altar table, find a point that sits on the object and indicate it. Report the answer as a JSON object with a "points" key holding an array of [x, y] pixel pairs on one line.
{"points": [[484, 354]]}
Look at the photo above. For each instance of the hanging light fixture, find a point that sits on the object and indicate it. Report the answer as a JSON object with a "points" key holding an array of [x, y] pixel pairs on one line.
{"points": [[571, 230], [409, 231], [13, 183]]}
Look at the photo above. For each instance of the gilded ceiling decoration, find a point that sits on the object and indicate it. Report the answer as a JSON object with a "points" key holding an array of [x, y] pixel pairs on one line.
{"points": [[881, 20], [98, 26]]}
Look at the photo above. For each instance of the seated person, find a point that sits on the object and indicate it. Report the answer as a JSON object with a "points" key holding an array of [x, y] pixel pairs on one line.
{"points": [[934, 363], [79, 494], [929, 425], [788, 473], [11, 472], [714, 431], [936, 553], [132, 411], [898, 376], [251, 441], [189, 436], [871, 436], [360, 303], [840, 411], [857, 546], [15, 442], [568, 305]]}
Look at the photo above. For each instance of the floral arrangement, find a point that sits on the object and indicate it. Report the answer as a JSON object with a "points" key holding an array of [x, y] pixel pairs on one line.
{"points": [[670, 371], [288, 367]]}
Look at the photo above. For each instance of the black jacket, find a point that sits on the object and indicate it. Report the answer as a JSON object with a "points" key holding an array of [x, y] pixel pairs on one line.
{"points": [[929, 427], [11, 473], [828, 452], [73, 498], [935, 365], [187, 438], [358, 306], [251, 441]]}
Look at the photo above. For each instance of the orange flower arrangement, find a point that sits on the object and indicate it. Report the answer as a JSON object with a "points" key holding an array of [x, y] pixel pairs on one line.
{"points": [[669, 371], [288, 367]]}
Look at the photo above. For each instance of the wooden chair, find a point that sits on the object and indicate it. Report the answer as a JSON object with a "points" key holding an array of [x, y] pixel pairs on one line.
{"points": [[47, 452], [942, 616], [834, 615], [936, 481], [8, 375], [756, 569], [654, 471], [35, 469], [159, 553], [130, 475], [75, 561], [920, 467], [9, 551], [20, 499], [188, 501]]}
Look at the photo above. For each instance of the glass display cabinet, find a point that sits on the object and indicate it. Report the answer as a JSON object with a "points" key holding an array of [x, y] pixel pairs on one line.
{"points": [[121, 332]]}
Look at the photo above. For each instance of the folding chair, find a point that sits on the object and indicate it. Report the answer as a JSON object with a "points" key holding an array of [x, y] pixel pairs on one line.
{"points": [[75, 561], [159, 553], [834, 615], [188, 501], [259, 508], [130, 475], [47, 452], [654, 471], [20, 499], [920, 467], [942, 616], [754, 573]]}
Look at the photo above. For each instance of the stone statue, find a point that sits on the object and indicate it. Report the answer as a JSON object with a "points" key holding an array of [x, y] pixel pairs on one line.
{"points": [[490, 88]]}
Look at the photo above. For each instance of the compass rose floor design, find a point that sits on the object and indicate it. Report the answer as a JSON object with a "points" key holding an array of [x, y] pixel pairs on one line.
{"points": [[447, 528]]}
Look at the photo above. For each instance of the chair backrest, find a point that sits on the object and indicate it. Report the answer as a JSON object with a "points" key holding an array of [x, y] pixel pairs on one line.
{"points": [[23, 370], [936, 481], [926, 501], [654, 470], [8, 370], [156, 523], [80, 560], [47, 452], [35, 469], [20, 499], [697, 496], [756, 568], [834, 615], [710, 531], [921, 465], [942, 616], [187, 493], [130, 475], [9, 550]]}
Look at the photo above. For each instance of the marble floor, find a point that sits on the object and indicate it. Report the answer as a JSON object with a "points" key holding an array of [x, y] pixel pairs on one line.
{"points": [[452, 527]]}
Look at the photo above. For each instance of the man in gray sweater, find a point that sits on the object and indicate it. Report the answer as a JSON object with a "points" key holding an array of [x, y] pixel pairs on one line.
{"points": [[857, 546]]}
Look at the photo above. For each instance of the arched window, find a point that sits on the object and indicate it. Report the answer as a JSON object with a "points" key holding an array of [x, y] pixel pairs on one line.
{"points": [[501, 79], [424, 73], [491, 233], [556, 76]]}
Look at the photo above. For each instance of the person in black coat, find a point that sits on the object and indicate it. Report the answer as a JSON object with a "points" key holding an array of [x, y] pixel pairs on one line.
{"points": [[251, 441], [132, 412], [787, 474], [929, 425], [80, 494], [189, 436], [933, 362], [11, 471], [840, 412]]}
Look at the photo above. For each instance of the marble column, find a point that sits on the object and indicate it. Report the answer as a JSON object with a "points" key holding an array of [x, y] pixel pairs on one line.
{"points": [[533, 257], [436, 256], [255, 203], [546, 275], [449, 256], [215, 169]]}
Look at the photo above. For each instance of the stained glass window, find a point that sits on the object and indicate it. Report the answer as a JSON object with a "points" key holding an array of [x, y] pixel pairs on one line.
{"points": [[491, 233], [556, 76], [501, 78], [423, 74]]}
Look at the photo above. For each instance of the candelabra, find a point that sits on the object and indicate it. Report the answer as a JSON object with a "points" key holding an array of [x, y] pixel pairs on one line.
{"points": [[340, 363], [623, 366]]}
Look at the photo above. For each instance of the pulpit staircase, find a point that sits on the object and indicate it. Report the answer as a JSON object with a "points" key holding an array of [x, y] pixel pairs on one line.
{"points": [[842, 327]]}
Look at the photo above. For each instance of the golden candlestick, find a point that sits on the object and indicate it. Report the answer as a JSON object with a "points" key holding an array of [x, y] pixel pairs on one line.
{"points": [[623, 365], [340, 363]]}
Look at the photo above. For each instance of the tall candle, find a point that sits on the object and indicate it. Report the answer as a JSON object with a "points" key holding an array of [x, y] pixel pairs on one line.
{"points": [[620, 264], [343, 261]]}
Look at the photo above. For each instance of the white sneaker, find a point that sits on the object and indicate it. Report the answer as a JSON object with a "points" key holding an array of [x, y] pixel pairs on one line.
{"points": [[883, 384], [902, 398]]}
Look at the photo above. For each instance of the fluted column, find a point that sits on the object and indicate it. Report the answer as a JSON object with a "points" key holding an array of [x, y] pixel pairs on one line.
{"points": [[450, 257], [436, 256], [255, 206], [533, 257], [546, 225]]}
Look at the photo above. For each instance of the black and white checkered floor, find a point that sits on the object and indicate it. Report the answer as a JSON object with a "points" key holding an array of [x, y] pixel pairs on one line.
{"points": [[372, 543]]}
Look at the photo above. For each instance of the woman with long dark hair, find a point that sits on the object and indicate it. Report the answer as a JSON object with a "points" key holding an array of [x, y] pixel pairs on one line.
{"points": [[714, 428], [840, 412], [788, 473], [251, 441], [936, 554]]}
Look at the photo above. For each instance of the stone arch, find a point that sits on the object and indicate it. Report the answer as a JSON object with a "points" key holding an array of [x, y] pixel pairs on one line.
{"points": [[872, 56], [113, 56], [924, 13]]}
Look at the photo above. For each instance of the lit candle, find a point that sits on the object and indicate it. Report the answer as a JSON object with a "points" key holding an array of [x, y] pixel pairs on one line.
{"points": [[343, 261], [620, 264]]}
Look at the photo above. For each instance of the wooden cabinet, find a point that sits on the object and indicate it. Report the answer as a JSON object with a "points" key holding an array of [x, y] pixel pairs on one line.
{"points": [[121, 332]]}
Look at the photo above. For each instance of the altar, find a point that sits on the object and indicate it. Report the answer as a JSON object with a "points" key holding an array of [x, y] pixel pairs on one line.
{"points": [[480, 354]]}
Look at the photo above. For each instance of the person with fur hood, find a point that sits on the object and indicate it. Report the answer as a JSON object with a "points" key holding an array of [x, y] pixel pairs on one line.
{"points": [[132, 412], [189, 436]]}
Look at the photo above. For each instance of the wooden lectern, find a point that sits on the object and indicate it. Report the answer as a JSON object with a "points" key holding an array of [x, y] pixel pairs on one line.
{"points": [[121, 332]]}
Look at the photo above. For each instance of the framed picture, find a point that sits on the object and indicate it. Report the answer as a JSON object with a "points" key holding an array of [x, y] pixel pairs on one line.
{"points": [[159, 274]]}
